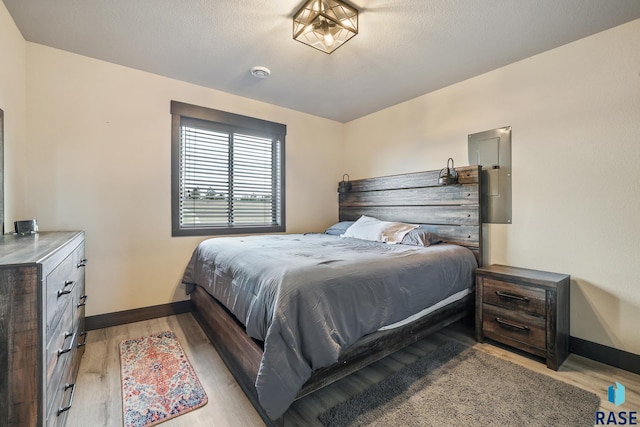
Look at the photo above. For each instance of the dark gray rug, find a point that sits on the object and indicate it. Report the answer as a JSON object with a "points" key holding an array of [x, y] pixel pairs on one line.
{"points": [[457, 385]]}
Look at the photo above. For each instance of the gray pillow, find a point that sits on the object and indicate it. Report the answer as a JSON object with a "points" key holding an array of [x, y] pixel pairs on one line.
{"points": [[421, 236], [339, 228]]}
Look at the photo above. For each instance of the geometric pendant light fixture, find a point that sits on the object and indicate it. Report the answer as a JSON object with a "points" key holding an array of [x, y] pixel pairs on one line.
{"points": [[325, 24]]}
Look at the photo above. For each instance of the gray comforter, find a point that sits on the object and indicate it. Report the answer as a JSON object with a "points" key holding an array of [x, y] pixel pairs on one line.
{"points": [[310, 296]]}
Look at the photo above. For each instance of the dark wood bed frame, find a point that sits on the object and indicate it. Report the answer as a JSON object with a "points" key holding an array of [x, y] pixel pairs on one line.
{"points": [[453, 211]]}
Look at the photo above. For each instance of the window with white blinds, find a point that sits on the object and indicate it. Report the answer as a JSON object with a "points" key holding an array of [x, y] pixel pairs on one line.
{"points": [[228, 173]]}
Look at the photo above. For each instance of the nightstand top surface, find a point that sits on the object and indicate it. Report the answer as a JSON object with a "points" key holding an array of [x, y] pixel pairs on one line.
{"points": [[543, 278]]}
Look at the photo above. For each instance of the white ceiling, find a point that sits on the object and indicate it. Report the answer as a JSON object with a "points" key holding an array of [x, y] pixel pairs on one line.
{"points": [[404, 49]]}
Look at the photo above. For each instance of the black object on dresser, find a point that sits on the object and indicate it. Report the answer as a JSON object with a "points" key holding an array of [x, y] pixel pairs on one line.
{"points": [[42, 338], [525, 309]]}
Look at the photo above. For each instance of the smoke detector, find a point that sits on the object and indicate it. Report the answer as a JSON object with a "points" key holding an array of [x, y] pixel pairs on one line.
{"points": [[260, 72]]}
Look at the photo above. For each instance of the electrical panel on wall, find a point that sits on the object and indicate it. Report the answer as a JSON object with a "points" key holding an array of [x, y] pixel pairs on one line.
{"points": [[492, 150]]}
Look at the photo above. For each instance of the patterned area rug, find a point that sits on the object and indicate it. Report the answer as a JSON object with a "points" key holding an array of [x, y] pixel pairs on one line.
{"points": [[158, 382]]}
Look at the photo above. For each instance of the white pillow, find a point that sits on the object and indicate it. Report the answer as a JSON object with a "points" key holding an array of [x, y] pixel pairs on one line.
{"points": [[368, 228]]}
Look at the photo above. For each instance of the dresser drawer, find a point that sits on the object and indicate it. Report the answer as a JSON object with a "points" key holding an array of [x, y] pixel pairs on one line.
{"points": [[62, 401], [63, 393], [78, 256], [79, 299], [508, 295], [59, 285], [59, 351], [510, 324], [79, 302]]}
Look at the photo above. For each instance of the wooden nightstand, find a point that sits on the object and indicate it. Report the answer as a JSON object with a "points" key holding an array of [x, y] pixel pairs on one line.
{"points": [[526, 309]]}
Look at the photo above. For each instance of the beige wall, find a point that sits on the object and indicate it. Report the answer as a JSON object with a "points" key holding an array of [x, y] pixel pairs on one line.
{"points": [[13, 101], [90, 142], [575, 113], [99, 160]]}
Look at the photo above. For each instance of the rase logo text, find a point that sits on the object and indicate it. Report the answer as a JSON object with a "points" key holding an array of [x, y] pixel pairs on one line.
{"points": [[616, 395]]}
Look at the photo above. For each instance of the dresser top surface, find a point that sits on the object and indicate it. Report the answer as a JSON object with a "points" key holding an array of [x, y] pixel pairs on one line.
{"points": [[33, 248]]}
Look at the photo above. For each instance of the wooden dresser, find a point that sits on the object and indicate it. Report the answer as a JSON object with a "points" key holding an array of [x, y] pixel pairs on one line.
{"points": [[42, 338], [525, 309]]}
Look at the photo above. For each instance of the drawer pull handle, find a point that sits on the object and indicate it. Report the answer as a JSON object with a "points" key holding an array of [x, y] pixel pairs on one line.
{"points": [[511, 296], [63, 291], [84, 342], [73, 392], [83, 301], [508, 324], [66, 350], [82, 263]]}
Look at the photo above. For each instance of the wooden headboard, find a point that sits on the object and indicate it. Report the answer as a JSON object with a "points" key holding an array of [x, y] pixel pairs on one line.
{"points": [[453, 211]]}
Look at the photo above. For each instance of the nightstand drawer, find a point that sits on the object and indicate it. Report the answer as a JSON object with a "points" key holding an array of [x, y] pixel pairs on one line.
{"points": [[521, 298], [516, 326]]}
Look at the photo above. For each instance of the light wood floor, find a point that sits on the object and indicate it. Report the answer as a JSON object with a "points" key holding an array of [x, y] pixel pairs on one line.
{"points": [[98, 397]]}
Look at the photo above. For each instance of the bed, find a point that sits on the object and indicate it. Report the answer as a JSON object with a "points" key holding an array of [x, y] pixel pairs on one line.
{"points": [[292, 313]]}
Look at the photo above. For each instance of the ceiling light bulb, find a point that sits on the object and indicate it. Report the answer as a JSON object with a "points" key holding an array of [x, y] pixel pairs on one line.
{"points": [[328, 39]]}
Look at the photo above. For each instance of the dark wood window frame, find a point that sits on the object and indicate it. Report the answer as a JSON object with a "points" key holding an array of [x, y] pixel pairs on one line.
{"points": [[239, 124]]}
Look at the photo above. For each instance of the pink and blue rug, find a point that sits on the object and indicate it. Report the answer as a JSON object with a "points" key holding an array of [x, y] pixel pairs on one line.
{"points": [[158, 382]]}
